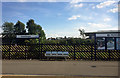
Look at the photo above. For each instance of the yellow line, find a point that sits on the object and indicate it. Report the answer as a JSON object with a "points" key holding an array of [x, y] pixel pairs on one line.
{"points": [[55, 76], [31, 75]]}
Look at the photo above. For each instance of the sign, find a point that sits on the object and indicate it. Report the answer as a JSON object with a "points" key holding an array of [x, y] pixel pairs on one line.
{"points": [[27, 36], [100, 43], [101, 35], [107, 35], [118, 43], [110, 43]]}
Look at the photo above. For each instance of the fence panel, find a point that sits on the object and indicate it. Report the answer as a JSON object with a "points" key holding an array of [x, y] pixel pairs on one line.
{"points": [[77, 52]]}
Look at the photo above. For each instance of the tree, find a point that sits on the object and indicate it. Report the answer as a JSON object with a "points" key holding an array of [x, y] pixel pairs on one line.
{"points": [[8, 30], [19, 28], [34, 29], [71, 41], [31, 26], [82, 33]]}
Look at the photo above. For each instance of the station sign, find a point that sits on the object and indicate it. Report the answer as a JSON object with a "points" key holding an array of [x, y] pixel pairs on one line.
{"points": [[108, 35], [27, 36]]}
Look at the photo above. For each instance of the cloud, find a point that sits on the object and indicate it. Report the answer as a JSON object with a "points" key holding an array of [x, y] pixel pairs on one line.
{"points": [[104, 4], [22, 0], [78, 5], [71, 33], [1, 30], [111, 28], [107, 19], [83, 17], [99, 25], [93, 27], [93, 7], [75, 1], [74, 17], [52, 1], [114, 10], [52, 35]]}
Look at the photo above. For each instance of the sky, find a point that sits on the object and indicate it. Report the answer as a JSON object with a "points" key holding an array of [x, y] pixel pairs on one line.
{"points": [[59, 19]]}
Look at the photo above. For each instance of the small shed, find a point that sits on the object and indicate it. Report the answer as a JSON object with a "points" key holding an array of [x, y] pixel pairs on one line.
{"points": [[109, 39]]}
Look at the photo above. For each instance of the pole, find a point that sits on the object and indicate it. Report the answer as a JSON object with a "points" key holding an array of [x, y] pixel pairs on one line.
{"points": [[95, 45], [74, 52]]}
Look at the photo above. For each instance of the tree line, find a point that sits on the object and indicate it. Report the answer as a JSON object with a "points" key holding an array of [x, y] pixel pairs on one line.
{"points": [[10, 30]]}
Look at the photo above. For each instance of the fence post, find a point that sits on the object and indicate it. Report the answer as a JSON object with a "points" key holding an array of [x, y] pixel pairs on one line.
{"points": [[74, 52], [109, 55], [9, 51], [26, 51], [91, 52], [95, 45], [41, 51], [57, 47], [119, 56]]}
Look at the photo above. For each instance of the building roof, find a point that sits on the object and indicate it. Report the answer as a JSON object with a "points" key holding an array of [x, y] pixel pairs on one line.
{"points": [[103, 31]]}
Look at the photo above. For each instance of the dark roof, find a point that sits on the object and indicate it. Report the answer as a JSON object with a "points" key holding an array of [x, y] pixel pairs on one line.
{"points": [[103, 31]]}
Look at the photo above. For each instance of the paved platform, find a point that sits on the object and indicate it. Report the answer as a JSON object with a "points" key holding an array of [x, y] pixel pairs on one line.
{"points": [[65, 68]]}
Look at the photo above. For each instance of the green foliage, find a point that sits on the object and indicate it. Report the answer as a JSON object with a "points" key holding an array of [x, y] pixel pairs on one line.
{"points": [[63, 42], [19, 28], [31, 26], [8, 27], [50, 42], [35, 29], [8, 30], [70, 41]]}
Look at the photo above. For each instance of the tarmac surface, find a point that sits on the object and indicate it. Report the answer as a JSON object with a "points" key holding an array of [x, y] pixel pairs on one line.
{"points": [[61, 69]]}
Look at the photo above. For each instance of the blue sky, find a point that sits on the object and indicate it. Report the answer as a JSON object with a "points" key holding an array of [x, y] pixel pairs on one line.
{"points": [[59, 19]]}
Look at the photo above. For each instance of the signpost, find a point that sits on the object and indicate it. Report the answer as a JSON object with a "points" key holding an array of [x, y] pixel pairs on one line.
{"points": [[107, 35], [27, 36]]}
